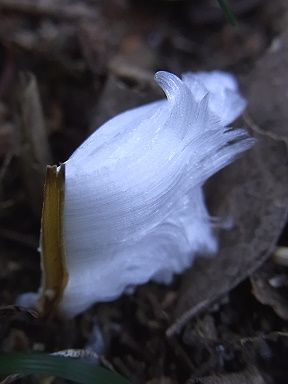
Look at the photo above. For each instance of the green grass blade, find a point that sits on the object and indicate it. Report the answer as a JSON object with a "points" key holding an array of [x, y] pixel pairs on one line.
{"points": [[67, 368], [227, 10]]}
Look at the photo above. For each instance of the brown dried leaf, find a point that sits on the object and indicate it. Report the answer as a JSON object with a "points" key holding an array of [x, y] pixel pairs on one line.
{"points": [[253, 191], [34, 150], [127, 87], [270, 80]]}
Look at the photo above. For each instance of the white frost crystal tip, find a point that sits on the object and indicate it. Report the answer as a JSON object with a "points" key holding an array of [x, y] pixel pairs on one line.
{"points": [[134, 208]]}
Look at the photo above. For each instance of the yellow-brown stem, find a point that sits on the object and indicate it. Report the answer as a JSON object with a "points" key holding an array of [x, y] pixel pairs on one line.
{"points": [[54, 270]]}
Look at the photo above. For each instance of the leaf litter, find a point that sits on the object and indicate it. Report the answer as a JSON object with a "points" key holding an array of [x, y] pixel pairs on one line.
{"points": [[207, 326]]}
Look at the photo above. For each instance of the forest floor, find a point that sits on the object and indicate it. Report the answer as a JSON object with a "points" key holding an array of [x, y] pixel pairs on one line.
{"points": [[226, 320]]}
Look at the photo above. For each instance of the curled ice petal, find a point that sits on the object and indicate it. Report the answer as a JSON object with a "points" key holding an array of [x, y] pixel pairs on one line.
{"points": [[134, 208], [225, 100]]}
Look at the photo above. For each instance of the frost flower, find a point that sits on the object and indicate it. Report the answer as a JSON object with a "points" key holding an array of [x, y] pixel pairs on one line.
{"points": [[133, 206]]}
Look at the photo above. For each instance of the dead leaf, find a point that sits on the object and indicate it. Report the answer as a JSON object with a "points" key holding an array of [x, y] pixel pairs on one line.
{"points": [[127, 87], [270, 80], [253, 191], [34, 150]]}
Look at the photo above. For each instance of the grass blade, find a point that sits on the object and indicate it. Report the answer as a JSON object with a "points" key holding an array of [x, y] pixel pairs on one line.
{"points": [[67, 368], [227, 10]]}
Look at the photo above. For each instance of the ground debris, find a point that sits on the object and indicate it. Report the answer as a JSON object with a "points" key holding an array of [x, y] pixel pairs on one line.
{"points": [[34, 151], [249, 376], [94, 59], [269, 286]]}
